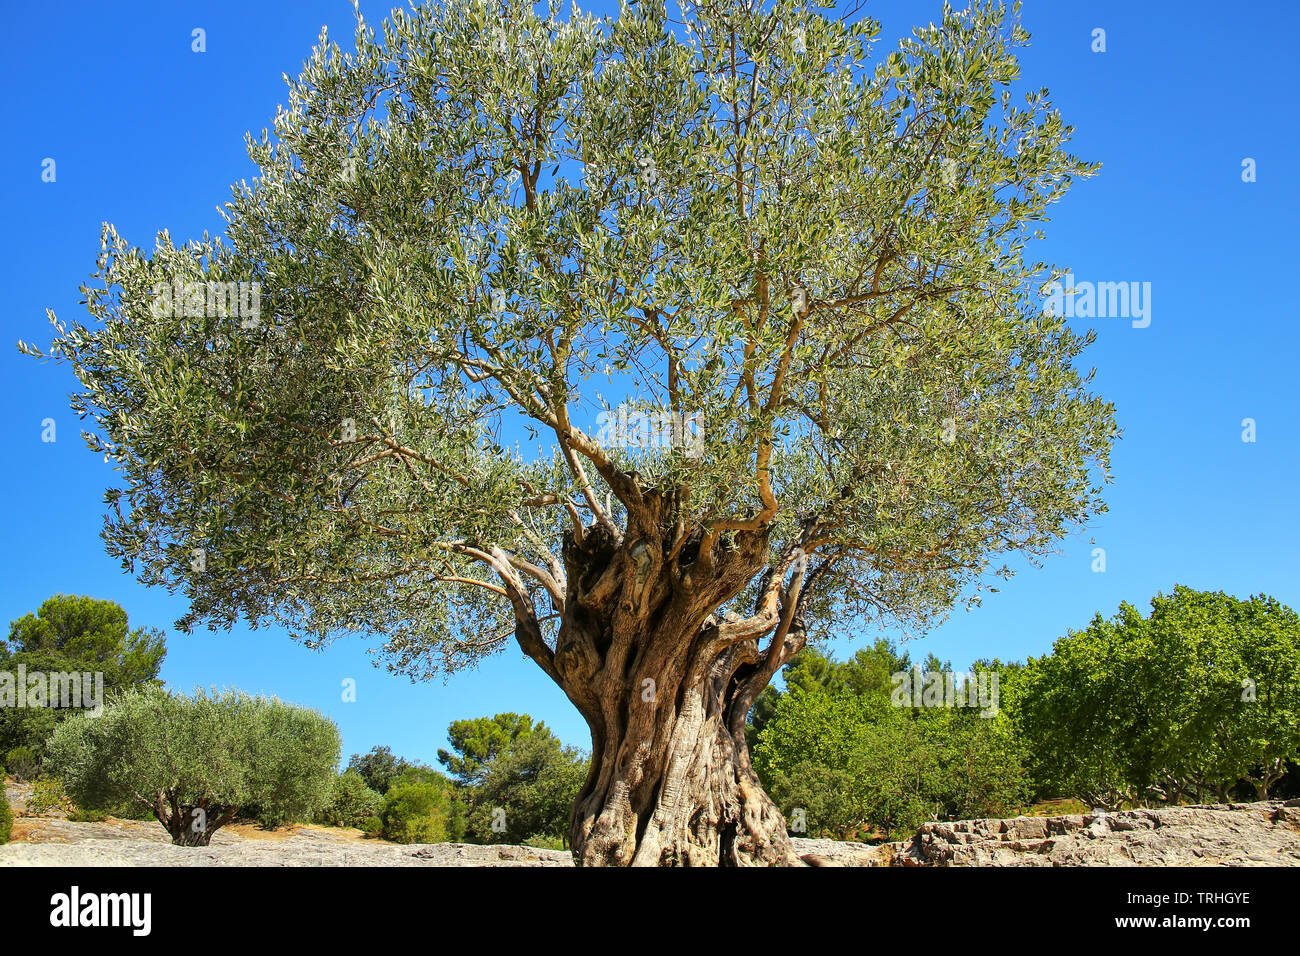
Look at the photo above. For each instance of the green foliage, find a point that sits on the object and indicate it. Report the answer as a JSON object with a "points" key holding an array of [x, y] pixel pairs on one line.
{"points": [[352, 802], [835, 746], [828, 797], [215, 752], [515, 782], [78, 815], [816, 252], [526, 791], [422, 773], [48, 798], [476, 742], [48, 795], [23, 763], [129, 810], [6, 815], [91, 631], [270, 817], [25, 731], [379, 768], [868, 671], [416, 813], [455, 818], [1202, 693], [547, 842], [70, 634]]}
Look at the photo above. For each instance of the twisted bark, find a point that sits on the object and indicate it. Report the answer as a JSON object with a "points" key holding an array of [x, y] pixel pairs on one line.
{"points": [[665, 687], [191, 825]]}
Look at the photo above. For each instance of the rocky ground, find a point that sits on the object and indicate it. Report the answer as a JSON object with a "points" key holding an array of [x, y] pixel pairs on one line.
{"points": [[1238, 834], [1249, 834]]}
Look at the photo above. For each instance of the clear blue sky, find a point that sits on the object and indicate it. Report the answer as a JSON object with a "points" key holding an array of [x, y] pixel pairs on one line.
{"points": [[147, 134]]}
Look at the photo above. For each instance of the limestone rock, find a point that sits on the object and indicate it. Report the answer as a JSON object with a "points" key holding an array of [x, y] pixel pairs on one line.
{"points": [[1249, 834]]}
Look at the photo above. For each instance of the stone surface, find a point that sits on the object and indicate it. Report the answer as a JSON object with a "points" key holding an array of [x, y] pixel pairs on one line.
{"points": [[839, 853], [1251, 834], [128, 843]]}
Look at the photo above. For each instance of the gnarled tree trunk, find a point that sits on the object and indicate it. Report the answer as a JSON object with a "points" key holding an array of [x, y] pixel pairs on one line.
{"points": [[675, 786], [665, 686], [189, 824]]}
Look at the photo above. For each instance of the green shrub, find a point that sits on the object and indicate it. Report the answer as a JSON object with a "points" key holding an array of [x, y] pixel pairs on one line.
{"points": [[23, 763], [79, 815], [48, 795], [416, 813], [855, 762], [6, 817], [450, 799], [130, 810], [526, 790], [268, 818], [826, 795], [542, 842], [352, 802], [227, 750], [380, 768]]}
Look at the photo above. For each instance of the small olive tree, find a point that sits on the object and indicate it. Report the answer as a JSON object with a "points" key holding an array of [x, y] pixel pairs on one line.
{"points": [[195, 761]]}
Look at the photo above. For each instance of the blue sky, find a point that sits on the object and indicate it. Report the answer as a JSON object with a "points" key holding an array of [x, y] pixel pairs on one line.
{"points": [[147, 134]]}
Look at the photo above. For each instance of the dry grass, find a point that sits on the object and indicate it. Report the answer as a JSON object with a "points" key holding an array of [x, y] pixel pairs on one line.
{"points": [[54, 827], [1055, 808]]}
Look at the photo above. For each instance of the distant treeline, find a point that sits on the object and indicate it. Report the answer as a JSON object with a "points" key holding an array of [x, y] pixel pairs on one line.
{"points": [[1197, 701]]}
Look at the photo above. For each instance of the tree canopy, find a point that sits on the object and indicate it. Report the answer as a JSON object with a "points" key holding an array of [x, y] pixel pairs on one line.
{"points": [[89, 631], [72, 635], [477, 742], [842, 758], [195, 761], [379, 768], [525, 791], [798, 270], [636, 339], [1202, 693], [869, 671]]}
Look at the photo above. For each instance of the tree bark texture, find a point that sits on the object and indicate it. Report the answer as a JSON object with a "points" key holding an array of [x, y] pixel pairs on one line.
{"points": [[665, 686]]}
